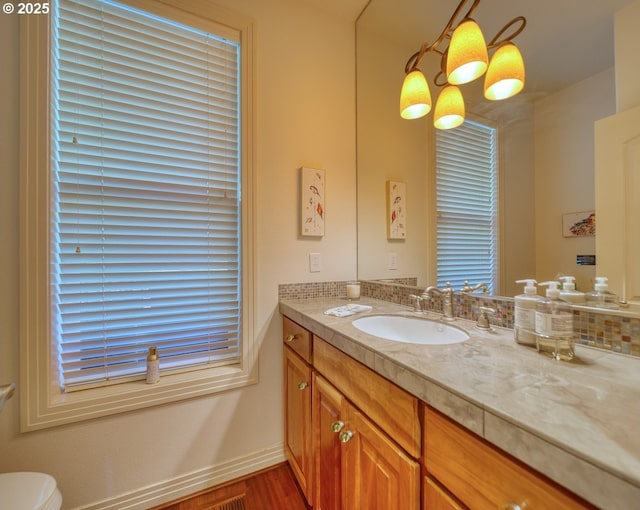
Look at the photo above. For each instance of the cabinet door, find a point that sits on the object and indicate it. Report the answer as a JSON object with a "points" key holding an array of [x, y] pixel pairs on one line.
{"points": [[436, 498], [327, 412], [376, 473], [297, 422]]}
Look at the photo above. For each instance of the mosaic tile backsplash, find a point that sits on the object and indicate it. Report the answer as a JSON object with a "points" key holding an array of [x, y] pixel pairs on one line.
{"points": [[600, 329]]}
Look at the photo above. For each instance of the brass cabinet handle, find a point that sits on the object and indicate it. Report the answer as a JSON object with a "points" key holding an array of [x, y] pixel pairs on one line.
{"points": [[345, 436], [290, 338], [303, 385], [337, 426]]}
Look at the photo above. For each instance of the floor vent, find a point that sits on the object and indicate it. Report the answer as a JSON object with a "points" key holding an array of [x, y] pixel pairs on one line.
{"points": [[233, 504]]}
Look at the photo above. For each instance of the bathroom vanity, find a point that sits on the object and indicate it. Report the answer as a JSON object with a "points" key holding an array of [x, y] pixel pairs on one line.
{"points": [[483, 423]]}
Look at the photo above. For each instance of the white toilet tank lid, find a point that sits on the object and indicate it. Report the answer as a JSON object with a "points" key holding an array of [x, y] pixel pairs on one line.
{"points": [[29, 491]]}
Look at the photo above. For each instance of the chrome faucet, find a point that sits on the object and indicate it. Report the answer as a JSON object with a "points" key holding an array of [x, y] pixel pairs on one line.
{"points": [[447, 299], [469, 289]]}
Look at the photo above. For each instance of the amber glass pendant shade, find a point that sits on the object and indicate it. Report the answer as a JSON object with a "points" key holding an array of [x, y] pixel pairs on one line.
{"points": [[449, 112], [467, 57], [415, 98], [505, 76]]}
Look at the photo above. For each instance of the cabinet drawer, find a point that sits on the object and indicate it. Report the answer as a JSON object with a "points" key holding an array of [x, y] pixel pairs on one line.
{"points": [[298, 338], [483, 477], [391, 408]]}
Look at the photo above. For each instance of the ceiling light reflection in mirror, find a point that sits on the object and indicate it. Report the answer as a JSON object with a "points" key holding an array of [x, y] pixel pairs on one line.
{"points": [[465, 59]]}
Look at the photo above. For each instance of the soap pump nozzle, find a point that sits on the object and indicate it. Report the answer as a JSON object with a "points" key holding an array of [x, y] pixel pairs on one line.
{"points": [[568, 282], [552, 291], [530, 286], [602, 284]]}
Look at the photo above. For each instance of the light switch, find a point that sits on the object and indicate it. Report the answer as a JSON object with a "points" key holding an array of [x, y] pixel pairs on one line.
{"points": [[393, 261], [315, 263]]}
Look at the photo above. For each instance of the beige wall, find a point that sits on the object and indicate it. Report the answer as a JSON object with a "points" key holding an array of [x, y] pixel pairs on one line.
{"points": [[564, 166], [305, 116], [389, 148], [627, 45]]}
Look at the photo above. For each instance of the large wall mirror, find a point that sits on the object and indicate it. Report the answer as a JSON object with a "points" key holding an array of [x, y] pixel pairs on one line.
{"points": [[546, 140]]}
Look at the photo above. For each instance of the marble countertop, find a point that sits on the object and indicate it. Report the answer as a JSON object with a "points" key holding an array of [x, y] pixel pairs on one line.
{"points": [[578, 423]]}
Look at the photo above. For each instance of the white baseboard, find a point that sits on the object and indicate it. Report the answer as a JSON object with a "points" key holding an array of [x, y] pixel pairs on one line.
{"points": [[193, 482]]}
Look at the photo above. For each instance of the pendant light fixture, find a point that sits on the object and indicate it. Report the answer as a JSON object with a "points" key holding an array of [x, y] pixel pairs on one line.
{"points": [[415, 98], [449, 112], [465, 59], [468, 57], [505, 76]]}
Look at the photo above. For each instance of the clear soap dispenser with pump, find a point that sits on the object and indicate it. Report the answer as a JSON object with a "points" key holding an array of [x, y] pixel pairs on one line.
{"points": [[569, 293], [524, 326], [554, 325], [600, 296]]}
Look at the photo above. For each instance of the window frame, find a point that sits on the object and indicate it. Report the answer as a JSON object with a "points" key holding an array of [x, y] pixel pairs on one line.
{"points": [[433, 224], [42, 403]]}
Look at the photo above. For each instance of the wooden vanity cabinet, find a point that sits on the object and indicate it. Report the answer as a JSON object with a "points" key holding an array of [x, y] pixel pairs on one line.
{"points": [[481, 476], [355, 440], [298, 429], [367, 439], [347, 447]]}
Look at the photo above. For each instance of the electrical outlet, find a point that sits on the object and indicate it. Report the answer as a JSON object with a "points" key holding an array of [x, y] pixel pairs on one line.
{"points": [[393, 261], [315, 263]]}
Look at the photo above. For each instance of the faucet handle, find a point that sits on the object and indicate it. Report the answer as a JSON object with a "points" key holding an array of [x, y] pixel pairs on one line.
{"points": [[417, 302], [483, 318]]}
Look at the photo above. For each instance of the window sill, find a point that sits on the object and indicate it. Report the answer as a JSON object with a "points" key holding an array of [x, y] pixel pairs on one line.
{"points": [[93, 403]]}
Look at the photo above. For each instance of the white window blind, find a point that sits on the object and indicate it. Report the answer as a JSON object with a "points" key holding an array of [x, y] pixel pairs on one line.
{"points": [[467, 205], [146, 244]]}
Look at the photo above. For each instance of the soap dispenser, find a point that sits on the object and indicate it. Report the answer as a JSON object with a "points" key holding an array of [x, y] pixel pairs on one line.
{"points": [[525, 313], [600, 296], [568, 292], [554, 325]]}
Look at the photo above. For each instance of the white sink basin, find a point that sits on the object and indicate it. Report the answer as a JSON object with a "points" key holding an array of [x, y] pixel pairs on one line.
{"points": [[410, 330]]}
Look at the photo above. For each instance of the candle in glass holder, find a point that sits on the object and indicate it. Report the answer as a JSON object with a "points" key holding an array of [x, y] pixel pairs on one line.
{"points": [[353, 290]]}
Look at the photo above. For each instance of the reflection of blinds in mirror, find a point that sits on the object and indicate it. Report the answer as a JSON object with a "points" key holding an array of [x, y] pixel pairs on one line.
{"points": [[467, 205]]}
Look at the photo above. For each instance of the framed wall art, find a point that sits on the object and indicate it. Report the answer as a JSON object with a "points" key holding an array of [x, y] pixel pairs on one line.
{"points": [[579, 224], [396, 210], [312, 202]]}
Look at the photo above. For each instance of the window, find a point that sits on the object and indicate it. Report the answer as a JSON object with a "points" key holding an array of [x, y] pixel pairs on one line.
{"points": [[467, 205], [147, 188]]}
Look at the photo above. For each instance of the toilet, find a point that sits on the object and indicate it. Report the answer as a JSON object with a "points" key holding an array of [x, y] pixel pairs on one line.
{"points": [[29, 491]]}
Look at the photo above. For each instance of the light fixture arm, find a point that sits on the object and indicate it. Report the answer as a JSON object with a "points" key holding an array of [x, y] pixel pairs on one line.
{"points": [[414, 60], [496, 41]]}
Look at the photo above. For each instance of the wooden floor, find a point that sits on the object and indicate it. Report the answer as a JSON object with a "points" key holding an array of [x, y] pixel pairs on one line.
{"points": [[271, 489]]}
